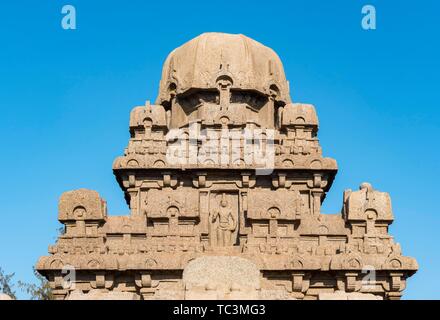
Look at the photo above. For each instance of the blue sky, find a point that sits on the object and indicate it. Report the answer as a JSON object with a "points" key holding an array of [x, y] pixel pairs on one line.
{"points": [[65, 98]]}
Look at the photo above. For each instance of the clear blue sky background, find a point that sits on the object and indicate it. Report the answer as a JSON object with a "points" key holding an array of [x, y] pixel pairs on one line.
{"points": [[65, 98]]}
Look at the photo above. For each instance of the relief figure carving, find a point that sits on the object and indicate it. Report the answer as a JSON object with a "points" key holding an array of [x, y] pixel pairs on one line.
{"points": [[223, 223]]}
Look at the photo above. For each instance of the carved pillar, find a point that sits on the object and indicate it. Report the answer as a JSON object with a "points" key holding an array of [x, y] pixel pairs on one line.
{"points": [[58, 290], [273, 228], [204, 212], [397, 284], [300, 283], [143, 281], [224, 86], [243, 212], [351, 281], [134, 201], [316, 202], [80, 228]]}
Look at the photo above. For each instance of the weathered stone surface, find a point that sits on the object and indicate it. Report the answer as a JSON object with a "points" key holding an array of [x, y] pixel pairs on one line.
{"points": [[201, 62], [224, 277], [225, 178], [102, 295], [342, 295], [4, 296]]}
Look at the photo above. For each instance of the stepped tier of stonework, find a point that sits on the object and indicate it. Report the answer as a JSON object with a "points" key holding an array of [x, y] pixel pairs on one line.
{"points": [[225, 178]]}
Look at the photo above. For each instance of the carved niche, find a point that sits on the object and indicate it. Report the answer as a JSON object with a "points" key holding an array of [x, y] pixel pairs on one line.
{"points": [[172, 212], [272, 213], [223, 219]]}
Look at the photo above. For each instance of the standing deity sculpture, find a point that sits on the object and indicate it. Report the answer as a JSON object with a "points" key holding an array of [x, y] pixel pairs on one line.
{"points": [[173, 219], [224, 223]]}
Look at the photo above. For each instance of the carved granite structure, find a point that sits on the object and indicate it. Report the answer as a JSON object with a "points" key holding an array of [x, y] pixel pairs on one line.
{"points": [[209, 221]]}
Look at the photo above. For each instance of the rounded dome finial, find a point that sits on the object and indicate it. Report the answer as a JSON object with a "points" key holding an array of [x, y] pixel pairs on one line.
{"points": [[207, 60]]}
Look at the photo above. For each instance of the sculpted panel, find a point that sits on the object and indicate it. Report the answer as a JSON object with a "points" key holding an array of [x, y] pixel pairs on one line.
{"points": [[223, 219], [171, 203], [280, 204], [368, 204], [82, 204]]}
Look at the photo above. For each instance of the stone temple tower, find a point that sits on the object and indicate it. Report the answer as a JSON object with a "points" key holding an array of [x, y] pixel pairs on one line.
{"points": [[225, 178]]}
